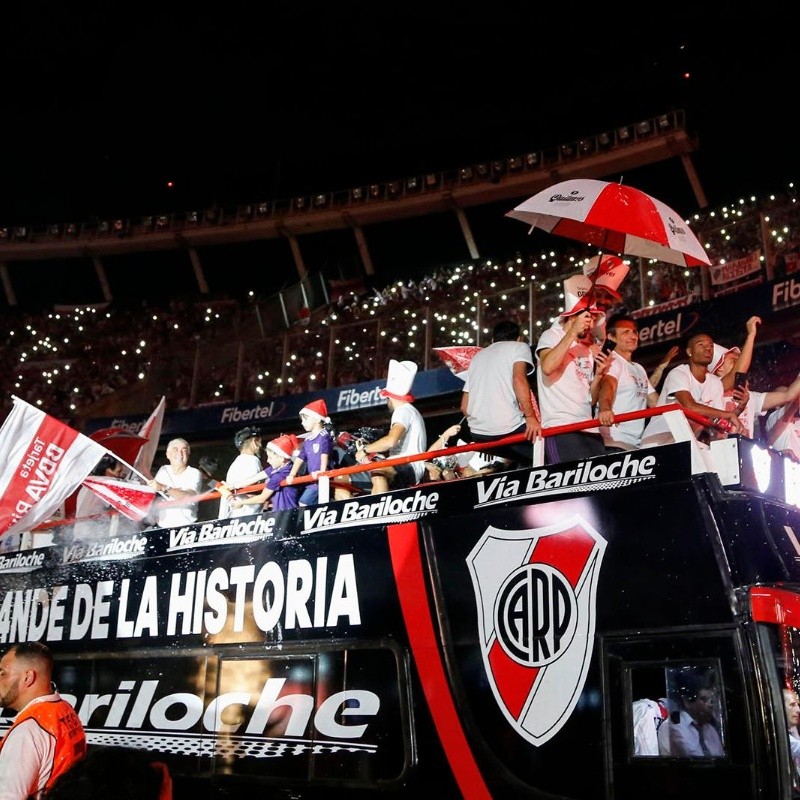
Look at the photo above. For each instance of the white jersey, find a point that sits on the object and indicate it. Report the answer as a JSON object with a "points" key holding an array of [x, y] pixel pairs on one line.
{"points": [[783, 429], [680, 379], [633, 388], [415, 439], [242, 469], [565, 394], [753, 410], [190, 480], [492, 407]]}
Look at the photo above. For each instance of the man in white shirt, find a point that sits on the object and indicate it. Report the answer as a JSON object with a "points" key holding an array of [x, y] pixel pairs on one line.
{"points": [[783, 430], [570, 367], [727, 363], [406, 436], [625, 387], [692, 386], [92, 520], [692, 731], [791, 705], [245, 470], [46, 738], [497, 399], [177, 481]]}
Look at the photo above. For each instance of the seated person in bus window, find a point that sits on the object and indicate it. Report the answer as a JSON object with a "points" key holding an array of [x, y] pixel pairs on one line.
{"points": [[791, 705], [692, 730]]}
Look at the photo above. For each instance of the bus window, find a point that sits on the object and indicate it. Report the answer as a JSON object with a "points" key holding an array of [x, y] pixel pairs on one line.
{"points": [[677, 711], [778, 612]]}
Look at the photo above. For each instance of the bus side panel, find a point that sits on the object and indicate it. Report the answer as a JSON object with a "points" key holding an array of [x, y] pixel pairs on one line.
{"points": [[523, 592], [282, 660]]}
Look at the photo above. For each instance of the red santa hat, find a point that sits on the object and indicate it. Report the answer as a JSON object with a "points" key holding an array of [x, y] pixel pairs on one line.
{"points": [[719, 356], [284, 445], [317, 410], [399, 379]]}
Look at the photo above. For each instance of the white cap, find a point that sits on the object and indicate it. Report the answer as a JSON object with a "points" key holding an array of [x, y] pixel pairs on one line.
{"points": [[719, 356]]}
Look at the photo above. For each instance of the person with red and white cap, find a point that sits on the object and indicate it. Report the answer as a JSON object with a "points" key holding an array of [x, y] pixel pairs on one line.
{"points": [[571, 365], [280, 455], [604, 273], [315, 451], [406, 436]]}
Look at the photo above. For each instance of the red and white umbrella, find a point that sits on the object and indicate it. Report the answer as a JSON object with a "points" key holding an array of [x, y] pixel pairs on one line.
{"points": [[615, 218], [123, 444]]}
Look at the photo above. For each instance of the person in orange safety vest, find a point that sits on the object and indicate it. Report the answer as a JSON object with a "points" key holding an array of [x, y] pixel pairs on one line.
{"points": [[46, 737]]}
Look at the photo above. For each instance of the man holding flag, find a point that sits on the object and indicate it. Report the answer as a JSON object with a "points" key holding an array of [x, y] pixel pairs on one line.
{"points": [[93, 517]]}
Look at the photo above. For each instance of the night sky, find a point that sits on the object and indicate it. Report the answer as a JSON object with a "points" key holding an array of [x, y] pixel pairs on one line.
{"points": [[104, 108]]}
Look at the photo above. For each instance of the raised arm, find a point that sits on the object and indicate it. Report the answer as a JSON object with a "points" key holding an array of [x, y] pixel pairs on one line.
{"points": [[746, 356], [656, 375], [550, 358], [782, 395]]}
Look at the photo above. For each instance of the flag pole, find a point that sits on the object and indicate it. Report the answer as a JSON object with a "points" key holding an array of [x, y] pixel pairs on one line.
{"points": [[133, 469]]}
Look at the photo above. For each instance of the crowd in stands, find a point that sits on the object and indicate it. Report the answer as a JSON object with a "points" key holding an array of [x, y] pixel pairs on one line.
{"points": [[68, 360]]}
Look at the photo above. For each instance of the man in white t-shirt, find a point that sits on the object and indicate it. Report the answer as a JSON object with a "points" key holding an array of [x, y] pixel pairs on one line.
{"points": [[692, 386], [570, 367], [624, 388], [497, 399], [178, 483], [245, 470], [783, 429], [407, 435]]}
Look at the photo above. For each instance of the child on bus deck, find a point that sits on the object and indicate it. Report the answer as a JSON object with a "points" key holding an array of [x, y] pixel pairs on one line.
{"points": [[280, 454], [316, 451]]}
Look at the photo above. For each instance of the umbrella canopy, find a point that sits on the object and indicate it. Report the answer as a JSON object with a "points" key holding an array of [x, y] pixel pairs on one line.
{"points": [[615, 218], [121, 443]]}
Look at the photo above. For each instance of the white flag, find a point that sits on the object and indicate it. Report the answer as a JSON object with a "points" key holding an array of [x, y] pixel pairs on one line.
{"points": [[42, 461], [151, 430]]}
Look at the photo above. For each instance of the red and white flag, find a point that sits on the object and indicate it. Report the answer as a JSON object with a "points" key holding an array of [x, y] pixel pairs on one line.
{"points": [[42, 461], [151, 430], [131, 499]]}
